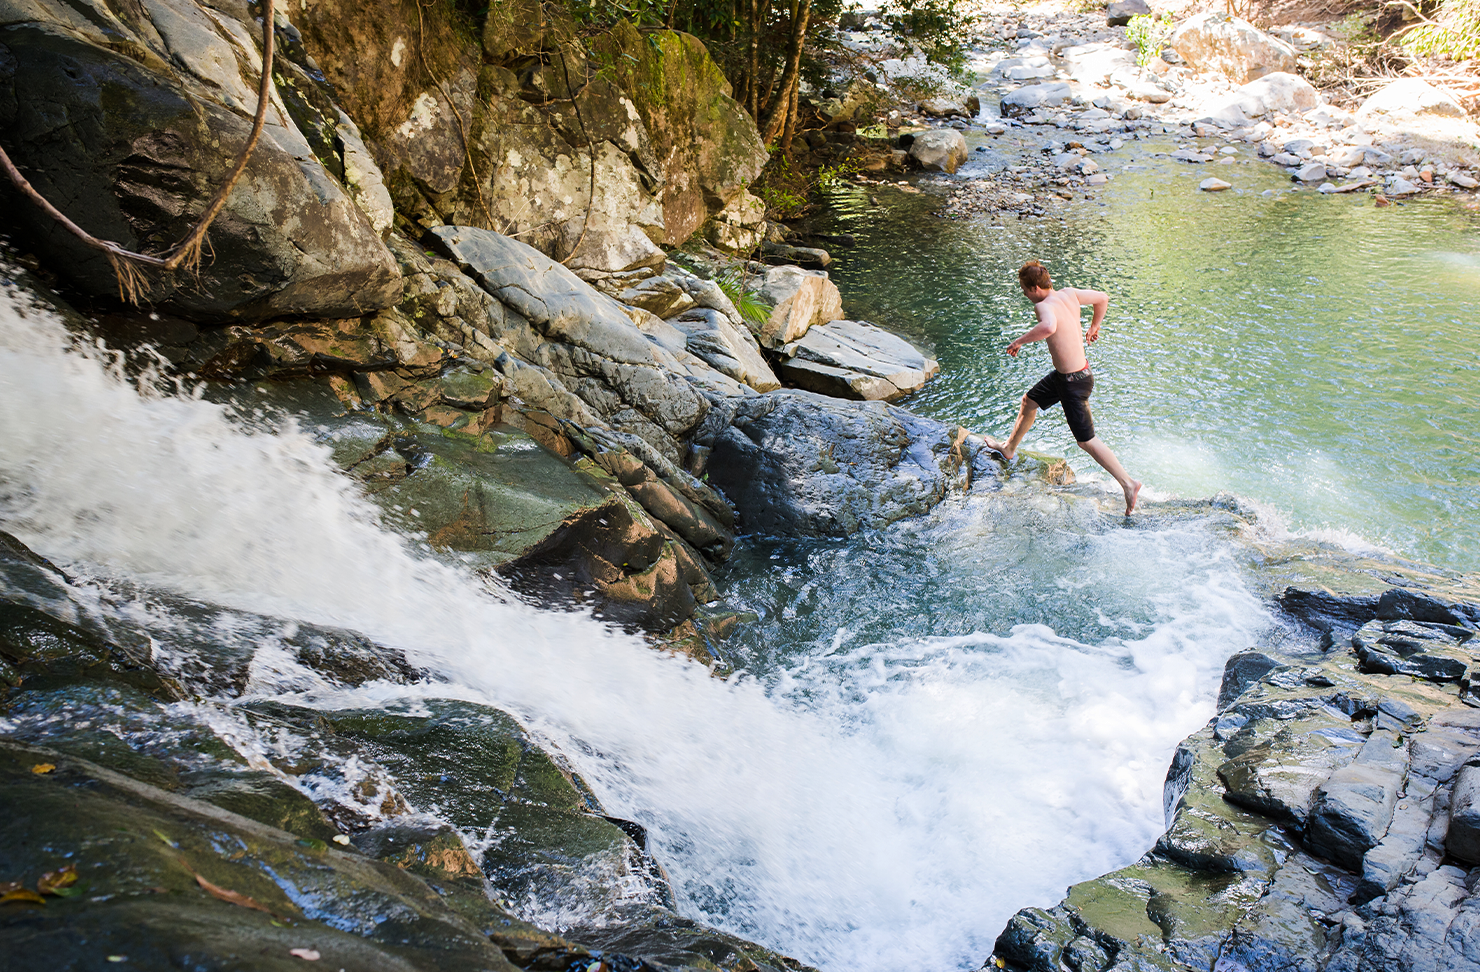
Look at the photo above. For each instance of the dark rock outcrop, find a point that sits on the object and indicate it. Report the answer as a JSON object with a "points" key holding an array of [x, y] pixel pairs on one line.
{"points": [[128, 119], [1324, 820]]}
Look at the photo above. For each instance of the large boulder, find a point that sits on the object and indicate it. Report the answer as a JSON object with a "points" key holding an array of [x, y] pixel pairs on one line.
{"points": [[1288, 94], [1410, 98], [941, 150], [799, 299], [796, 463], [1034, 96], [129, 122], [1118, 13], [1231, 47], [597, 157]]}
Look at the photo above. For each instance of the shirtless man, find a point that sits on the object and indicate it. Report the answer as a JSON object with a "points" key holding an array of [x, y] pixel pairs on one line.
{"points": [[1070, 382]]}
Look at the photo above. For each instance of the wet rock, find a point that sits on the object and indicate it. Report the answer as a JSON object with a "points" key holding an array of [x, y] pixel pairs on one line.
{"points": [[1354, 807], [176, 896], [1214, 185], [804, 256], [1424, 650], [1311, 172], [798, 463], [1231, 47], [1462, 840], [942, 150]]}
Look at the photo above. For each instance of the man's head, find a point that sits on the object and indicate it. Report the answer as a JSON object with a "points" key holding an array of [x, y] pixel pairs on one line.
{"points": [[1034, 279]]}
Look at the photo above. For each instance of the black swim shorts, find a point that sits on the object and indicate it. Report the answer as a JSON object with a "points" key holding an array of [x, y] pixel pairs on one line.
{"points": [[1073, 390]]}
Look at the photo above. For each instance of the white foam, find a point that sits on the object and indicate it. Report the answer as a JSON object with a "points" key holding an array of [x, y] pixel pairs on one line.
{"points": [[872, 807]]}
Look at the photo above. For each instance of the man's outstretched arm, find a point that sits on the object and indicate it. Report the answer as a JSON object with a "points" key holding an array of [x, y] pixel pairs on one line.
{"points": [[1037, 332]]}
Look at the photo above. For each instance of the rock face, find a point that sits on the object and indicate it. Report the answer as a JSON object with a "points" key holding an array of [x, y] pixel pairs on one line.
{"points": [[795, 463], [596, 160], [129, 120], [1323, 820], [942, 150], [1232, 47]]}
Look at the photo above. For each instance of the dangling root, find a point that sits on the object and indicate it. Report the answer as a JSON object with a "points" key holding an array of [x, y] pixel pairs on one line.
{"points": [[128, 266]]}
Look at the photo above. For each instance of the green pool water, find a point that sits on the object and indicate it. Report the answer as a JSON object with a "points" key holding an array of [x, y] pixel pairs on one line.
{"points": [[1314, 354]]}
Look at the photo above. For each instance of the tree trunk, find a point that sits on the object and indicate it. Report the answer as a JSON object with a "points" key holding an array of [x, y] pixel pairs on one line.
{"points": [[784, 97]]}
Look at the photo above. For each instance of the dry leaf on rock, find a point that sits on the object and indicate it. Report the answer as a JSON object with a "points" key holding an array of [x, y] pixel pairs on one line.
{"points": [[232, 897], [19, 895], [40, 768]]}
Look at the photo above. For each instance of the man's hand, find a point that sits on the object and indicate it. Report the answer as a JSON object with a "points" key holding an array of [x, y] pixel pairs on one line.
{"points": [[1093, 335], [1014, 348]]}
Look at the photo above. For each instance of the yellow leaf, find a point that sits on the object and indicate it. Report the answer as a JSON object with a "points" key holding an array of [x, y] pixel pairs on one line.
{"points": [[51, 881], [22, 895], [40, 768]]}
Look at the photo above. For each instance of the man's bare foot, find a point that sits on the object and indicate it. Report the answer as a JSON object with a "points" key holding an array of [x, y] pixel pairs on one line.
{"points": [[1000, 448], [1131, 495]]}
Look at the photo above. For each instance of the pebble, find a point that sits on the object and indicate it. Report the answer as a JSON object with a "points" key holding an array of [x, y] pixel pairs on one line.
{"points": [[1214, 185]]}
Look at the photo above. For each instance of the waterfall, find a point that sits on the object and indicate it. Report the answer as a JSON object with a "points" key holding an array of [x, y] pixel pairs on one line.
{"points": [[876, 806]]}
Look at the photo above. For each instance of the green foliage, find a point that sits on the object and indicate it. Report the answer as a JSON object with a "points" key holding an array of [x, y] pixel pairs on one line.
{"points": [[1149, 35], [603, 13], [782, 188], [833, 176], [735, 285], [1454, 32], [937, 28]]}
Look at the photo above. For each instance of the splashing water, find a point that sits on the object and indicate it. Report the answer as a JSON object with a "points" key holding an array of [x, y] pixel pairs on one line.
{"points": [[889, 782]]}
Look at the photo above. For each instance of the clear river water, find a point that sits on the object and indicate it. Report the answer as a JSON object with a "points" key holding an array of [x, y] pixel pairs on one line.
{"points": [[933, 725]]}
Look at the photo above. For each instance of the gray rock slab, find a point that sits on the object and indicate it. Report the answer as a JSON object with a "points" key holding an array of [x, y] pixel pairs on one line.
{"points": [[1353, 808], [862, 348], [801, 464], [551, 297], [1286, 762]]}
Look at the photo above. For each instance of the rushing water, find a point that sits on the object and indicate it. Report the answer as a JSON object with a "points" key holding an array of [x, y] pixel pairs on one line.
{"points": [[1313, 353], [935, 725]]}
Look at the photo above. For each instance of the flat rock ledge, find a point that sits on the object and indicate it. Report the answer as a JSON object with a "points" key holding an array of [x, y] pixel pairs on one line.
{"points": [[1327, 819]]}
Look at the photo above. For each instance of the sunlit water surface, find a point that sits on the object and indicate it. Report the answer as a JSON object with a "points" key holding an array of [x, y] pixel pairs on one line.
{"points": [[1314, 353]]}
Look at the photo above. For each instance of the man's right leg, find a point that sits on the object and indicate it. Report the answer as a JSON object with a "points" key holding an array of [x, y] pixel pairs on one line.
{"points": [[1027, 415], [1101, 454]]}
